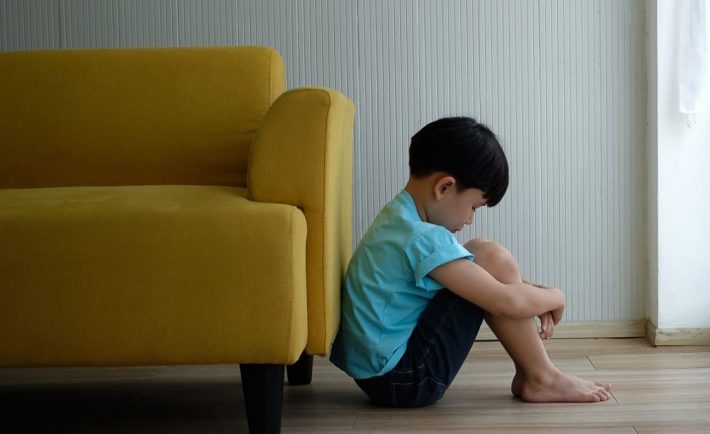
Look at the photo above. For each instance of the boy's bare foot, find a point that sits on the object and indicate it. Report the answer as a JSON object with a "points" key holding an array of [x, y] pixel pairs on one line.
{"points": [[560, 387]]}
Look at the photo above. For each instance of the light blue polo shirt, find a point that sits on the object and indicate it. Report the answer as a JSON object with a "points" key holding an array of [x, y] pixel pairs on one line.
{"points": [[387, 287]]}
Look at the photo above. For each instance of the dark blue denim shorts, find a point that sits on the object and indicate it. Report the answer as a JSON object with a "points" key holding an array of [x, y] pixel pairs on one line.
{"points": [[442, 339]]}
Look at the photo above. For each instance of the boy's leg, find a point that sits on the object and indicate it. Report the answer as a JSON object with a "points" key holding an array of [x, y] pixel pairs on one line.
{"points": [[536, 378]]}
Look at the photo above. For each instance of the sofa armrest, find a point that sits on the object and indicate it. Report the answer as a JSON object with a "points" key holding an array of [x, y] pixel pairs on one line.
{"points": [[302, 156]]}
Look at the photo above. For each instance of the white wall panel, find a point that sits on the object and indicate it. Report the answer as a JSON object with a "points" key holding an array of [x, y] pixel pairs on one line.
{"points": [[209, 22], [26, 25], [119, 23], [562, 82]]}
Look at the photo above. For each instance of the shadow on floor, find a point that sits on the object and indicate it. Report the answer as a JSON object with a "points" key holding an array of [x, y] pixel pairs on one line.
{"points": [[144, 405]]}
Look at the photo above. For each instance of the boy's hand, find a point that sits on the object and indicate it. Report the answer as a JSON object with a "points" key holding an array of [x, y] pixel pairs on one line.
{"points": [[548, 320], [547, 326], [557, 315]]}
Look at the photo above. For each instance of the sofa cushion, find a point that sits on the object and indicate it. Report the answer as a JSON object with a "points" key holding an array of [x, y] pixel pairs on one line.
{"points": [[210, 277], [133, 116]]}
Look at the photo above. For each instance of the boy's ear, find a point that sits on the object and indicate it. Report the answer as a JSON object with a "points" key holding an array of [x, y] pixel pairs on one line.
{"points": [[442, 185]]}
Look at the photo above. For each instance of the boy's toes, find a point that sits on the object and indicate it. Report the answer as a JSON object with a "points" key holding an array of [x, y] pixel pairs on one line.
{"points": [[602, 393], [606, 386]]}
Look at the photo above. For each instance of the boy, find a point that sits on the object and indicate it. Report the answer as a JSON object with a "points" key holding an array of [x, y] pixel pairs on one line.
{"points": [[414, 298]]}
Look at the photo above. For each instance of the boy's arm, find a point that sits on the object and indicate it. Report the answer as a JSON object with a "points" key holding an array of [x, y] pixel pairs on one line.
{"points": [[517, 300]]}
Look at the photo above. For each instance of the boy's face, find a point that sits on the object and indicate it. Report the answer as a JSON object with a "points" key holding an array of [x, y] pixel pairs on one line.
{"points": [[453, 208]]}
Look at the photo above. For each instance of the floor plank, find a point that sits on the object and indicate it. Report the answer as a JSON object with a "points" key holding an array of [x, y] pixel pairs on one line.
{"points": [[655, 390]]}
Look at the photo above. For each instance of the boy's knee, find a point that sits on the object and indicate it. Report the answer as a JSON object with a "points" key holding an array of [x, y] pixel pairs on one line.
{"points": [[495, 259], [488, 251], [475, 244]]}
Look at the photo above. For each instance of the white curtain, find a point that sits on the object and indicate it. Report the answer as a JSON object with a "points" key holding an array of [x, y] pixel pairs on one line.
{"points": [[693, 67]]}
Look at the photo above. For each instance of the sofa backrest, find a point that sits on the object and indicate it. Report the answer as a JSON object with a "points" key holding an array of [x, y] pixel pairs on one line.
{"points": [[133, 116]]}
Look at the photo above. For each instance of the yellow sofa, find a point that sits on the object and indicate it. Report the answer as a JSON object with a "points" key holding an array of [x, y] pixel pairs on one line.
{"points": [[171, 206]]}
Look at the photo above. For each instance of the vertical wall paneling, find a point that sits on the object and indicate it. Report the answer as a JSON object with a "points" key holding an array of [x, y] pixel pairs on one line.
{"points": [[562, 83], [26, 25], [119, 23], [201, 23]]}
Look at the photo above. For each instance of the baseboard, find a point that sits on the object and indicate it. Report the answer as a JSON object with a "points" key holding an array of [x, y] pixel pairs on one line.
{"points": [[594, 329], [679, 336]]}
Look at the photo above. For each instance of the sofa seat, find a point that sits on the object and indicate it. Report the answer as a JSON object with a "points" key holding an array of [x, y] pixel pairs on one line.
{"points": [[206, 264]]}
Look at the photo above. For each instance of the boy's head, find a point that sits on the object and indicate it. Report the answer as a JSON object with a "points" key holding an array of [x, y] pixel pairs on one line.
{"points": [[466, 150]]}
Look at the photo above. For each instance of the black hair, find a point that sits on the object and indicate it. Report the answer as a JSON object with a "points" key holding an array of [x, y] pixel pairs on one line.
{"points": [[465, 149]]}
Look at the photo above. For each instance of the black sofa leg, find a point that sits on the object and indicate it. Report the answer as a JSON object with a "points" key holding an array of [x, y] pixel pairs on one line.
{"points": [[301, 372], [263, 396]]}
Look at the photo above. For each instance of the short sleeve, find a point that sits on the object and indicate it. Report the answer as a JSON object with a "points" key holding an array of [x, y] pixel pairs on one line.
{"points": [[430, 249]]}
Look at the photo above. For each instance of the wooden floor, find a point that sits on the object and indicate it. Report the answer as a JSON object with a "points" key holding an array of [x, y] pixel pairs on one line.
{"points": [[655, 390]]}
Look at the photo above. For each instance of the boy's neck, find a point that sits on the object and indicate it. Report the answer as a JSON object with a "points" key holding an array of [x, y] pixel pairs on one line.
{"points": [[420, 190]]}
